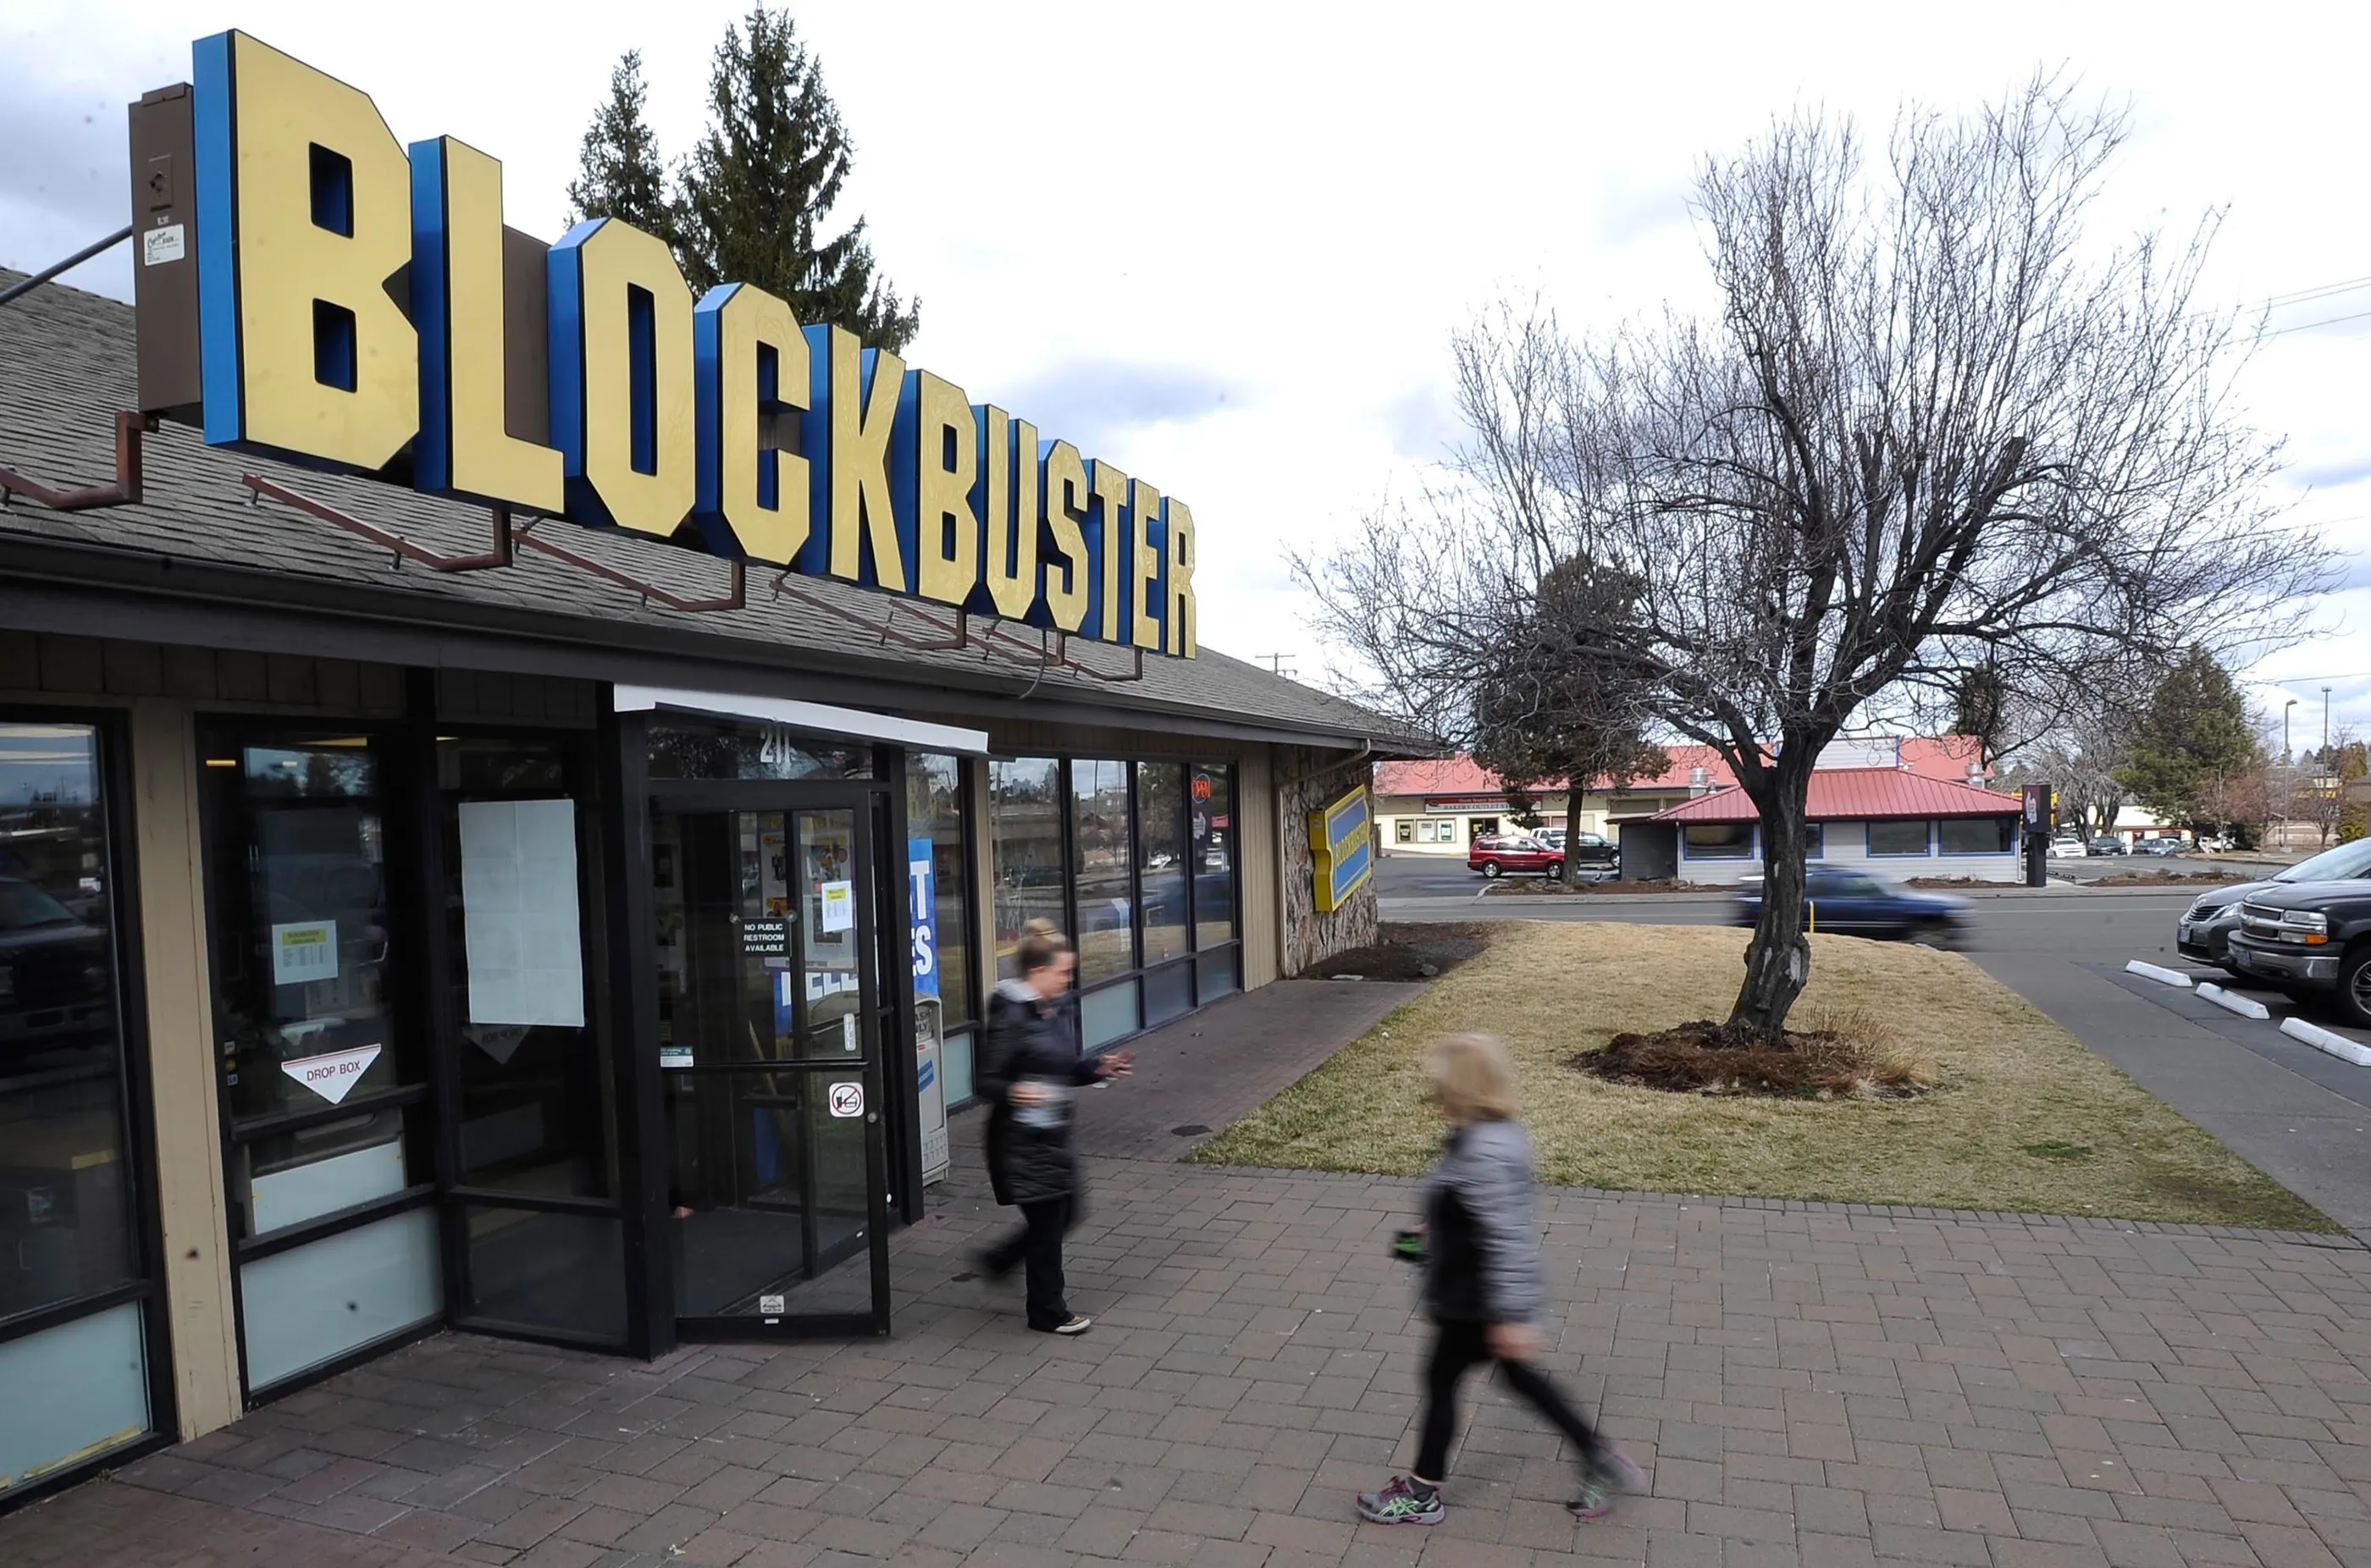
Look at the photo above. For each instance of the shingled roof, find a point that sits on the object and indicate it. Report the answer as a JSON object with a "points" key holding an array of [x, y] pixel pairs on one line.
{"points": [[66, 369]]}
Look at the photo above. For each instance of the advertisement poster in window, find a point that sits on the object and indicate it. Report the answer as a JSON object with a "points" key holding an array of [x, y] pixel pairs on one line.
{"points": [[922, 892]]}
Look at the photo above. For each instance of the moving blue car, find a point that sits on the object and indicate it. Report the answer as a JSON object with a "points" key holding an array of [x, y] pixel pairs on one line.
{"points": [[1861, 904]]}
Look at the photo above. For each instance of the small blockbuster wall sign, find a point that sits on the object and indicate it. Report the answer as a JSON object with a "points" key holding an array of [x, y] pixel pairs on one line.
{"points": [[1342, 848], [359, 305]]}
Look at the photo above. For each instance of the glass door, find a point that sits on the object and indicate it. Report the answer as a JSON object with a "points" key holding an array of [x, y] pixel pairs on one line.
{"points": [[769, 1055]]}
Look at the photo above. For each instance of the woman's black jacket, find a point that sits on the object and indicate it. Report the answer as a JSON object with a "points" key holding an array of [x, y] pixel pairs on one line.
{"points": [[1030, 1038]]}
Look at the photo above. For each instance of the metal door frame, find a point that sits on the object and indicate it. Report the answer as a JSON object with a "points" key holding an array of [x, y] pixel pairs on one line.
{"points": [[655, 1295]]}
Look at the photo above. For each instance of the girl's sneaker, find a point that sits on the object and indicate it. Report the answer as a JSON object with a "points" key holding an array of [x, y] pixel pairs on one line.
{"points": [[1406, 1501], [1610, 1472]]}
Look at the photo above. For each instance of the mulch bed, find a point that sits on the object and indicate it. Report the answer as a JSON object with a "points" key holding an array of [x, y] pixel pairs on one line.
{"points": [[2168, 878], [1705, 1057], [1530, 885], [1410, 950]]}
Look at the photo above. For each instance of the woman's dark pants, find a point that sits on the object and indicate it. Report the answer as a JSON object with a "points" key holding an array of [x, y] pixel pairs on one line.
{"points": [[1038, 1244]]}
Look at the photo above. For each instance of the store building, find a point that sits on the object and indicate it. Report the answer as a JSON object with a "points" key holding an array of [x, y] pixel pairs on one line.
{"points": [[1440, 805], [422, 912], [1902, 824]]}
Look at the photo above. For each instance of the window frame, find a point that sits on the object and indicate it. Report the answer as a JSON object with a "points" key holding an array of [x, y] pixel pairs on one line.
{"points": [[1747, 848], [2006, 827], [148, 1289], [1869, 839]]}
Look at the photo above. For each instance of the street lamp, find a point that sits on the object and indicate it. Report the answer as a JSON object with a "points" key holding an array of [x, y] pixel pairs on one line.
{"points": [[2285, 729], [2288, 779]]}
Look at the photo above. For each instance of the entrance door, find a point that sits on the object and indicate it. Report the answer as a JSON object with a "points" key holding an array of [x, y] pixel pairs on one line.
{"points": [[770, 1053]]}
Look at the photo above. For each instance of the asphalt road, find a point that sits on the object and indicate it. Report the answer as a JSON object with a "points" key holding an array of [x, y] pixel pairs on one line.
{"points": [[2301, 1118]]}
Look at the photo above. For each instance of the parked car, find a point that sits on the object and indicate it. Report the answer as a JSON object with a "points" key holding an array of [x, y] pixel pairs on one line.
{"points": [[2206, 926], [1591, 856], [2067, 848], [2308, 938], [1496, 855], [1862, 903], [2163, 845], [2107, 844]]}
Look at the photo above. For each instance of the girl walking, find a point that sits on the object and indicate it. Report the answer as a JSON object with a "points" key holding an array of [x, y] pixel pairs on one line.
{"points": [[1481, 1283], [1030, 1074]]}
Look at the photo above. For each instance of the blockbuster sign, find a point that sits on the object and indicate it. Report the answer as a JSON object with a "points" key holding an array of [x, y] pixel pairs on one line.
{"points": [[359, 301]]}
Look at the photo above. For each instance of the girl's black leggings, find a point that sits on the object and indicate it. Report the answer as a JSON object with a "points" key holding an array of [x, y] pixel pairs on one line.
{"points": [[1457, 1349]]}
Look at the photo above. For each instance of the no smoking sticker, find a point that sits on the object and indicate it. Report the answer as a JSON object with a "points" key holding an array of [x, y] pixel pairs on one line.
{"points": [[848, 1099]]}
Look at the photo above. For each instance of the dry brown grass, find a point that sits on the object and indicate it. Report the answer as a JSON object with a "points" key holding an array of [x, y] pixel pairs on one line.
{"points": [[2021, 1116]]}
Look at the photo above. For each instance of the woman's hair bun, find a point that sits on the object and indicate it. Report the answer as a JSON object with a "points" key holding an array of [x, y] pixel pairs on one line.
{"points": [[1041, 926]]}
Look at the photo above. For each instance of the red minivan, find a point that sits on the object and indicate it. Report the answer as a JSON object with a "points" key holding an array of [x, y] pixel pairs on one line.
{"points": [[1495, 855]]}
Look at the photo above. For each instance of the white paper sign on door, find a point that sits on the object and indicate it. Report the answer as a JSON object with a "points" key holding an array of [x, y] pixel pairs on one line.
{"points": [[518, 913], [838, 906], [848, 1099], [333, 1075], [303, 950]]}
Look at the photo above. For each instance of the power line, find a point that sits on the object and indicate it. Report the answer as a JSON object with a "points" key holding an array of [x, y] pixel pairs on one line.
{"points": [[2319, 291], [2309, 325]]}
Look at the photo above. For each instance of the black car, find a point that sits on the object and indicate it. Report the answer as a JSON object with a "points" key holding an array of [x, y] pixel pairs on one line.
{"points": [[1861, 904], [2308, 938], [2107, 844], [2207, 924]]}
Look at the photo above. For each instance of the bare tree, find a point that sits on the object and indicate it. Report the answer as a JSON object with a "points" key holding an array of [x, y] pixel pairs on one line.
{"points": [[1934, 427]]}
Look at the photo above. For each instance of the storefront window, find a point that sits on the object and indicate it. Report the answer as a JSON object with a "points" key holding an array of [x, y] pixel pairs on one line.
{"points": [[1099, 829], [694, 748], [1161, 841], [1213, 796], [534, 1075], [1024, 809], [323, 1065], [938, 863], [66, 1190]]}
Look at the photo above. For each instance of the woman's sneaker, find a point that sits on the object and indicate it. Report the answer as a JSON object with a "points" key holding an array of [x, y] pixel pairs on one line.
{"points": [[1406, 1501], [1074, 1324]]}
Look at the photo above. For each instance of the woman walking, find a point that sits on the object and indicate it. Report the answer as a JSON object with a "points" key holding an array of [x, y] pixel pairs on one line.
{"points": [[1030, 1074], [1482, 1283]]}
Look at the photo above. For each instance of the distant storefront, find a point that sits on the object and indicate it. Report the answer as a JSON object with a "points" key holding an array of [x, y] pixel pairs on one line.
{"points": [[421, 909]]}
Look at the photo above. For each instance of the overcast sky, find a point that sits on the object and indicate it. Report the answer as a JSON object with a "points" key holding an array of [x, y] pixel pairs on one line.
{"points": [[1227, 252]]}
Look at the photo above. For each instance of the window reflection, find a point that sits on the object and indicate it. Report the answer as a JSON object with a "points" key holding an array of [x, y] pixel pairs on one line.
{"points": [[692, 748], [1099, 830], [934, 815], [1212, 793], [1024, 848], [1161, 858], [65, 1188]]}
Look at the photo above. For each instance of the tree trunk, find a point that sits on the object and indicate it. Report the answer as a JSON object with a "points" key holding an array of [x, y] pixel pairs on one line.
{"points": [[1778, 958], [1576, 790]]}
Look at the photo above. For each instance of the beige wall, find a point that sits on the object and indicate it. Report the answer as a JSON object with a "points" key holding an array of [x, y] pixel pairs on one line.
{"points": [[1262, 891]]}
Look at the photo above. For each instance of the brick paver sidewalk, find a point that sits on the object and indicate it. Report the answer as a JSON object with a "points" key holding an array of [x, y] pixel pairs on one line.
{"points": [[1807, 1388]]}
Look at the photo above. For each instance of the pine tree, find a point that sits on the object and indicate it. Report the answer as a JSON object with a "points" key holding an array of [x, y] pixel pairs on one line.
{"points": [[763, 180], [619, 175], [2193, 736]]}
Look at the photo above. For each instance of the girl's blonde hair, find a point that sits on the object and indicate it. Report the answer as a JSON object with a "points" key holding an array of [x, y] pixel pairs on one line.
{"points": [[1041, 943], [1472, 1078]]}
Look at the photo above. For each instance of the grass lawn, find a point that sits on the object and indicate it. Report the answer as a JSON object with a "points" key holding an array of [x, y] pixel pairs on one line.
{"points": [[2023, 1118]]}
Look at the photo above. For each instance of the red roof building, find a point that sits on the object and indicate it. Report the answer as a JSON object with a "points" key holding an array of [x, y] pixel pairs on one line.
{"points": [[1858, 794]]}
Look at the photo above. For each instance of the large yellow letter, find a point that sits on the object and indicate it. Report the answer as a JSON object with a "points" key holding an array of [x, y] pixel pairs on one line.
{"points": [[306, 214], [1014, 511], [1106, 501], [946, 546], [1181, 578], [457, 302], [621, 382], [863, 408], [1065, 538], [751, 360], [1144, 606]]}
